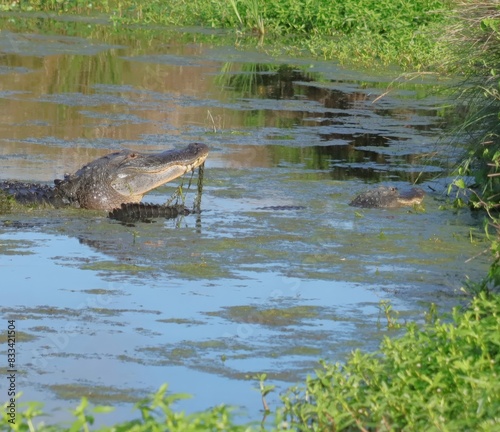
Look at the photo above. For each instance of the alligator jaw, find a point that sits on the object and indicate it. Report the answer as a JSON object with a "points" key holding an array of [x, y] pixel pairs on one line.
{"points": [[137, 177]]}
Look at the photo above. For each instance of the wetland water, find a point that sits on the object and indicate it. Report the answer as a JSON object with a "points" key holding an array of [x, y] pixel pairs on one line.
{"points": [[203, 303]]}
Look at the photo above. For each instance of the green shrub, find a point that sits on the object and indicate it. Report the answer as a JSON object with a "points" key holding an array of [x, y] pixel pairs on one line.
{"points": [[444, 377]]}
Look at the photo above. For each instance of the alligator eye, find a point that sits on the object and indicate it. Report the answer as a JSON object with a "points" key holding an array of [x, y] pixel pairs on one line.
{"points": [[132, 155]]}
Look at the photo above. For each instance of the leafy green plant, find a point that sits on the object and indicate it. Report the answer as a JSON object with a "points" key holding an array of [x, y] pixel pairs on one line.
{"points": [[156, 415], [264, 390], [390, 315]]}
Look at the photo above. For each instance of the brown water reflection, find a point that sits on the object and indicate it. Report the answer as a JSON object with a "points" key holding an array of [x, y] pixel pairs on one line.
{"points": [[70, 108]]}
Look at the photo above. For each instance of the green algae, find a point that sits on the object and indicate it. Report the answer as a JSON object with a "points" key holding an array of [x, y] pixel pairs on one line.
{"points": [[16, 247], [102, 291], [96, 393], [181, 321], [21, 336], [207, 269], [269, 317], [114, 266]]}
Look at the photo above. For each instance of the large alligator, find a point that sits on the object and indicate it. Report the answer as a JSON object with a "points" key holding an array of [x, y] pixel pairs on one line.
{"points": [[388, 197], [120, 178]]}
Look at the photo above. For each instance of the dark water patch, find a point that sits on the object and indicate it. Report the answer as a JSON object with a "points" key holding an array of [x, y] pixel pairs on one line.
{"points": [[38, 45], [181, 321], [6, 70]]}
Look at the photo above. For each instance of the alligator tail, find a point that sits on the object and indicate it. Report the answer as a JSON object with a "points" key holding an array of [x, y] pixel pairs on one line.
{"points": [[144, 212]]}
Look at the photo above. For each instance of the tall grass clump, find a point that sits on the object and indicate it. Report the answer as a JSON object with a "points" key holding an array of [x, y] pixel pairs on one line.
{"points": [[475, 45]]}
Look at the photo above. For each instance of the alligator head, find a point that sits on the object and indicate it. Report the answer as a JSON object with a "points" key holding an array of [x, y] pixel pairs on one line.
{"points": [[126, 176], [388, 197]]}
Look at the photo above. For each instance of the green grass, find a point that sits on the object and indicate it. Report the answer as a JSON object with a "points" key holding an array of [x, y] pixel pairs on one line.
{"points": [[368, 32]]}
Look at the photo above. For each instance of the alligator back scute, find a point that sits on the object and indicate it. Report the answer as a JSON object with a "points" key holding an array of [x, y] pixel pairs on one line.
{"points": [[31, 193]]}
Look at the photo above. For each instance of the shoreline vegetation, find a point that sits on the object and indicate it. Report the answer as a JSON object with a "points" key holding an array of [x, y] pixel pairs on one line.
{"points": [[443, 375], [367, 32]]}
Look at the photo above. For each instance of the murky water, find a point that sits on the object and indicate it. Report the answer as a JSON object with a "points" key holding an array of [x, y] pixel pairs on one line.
{"points": [[204, 303]]}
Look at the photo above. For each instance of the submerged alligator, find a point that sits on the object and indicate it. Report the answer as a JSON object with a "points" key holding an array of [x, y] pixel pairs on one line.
{"points": [[388, 197], [116, 181], [381, 197]]}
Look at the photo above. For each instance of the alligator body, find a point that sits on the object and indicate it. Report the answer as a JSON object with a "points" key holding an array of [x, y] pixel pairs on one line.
{"points": [[388, 197], [118, 178]]}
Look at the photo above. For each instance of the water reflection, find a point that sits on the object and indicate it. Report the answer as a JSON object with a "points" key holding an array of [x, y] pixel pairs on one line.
{"points": [[264, 80], [64, 87]]}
